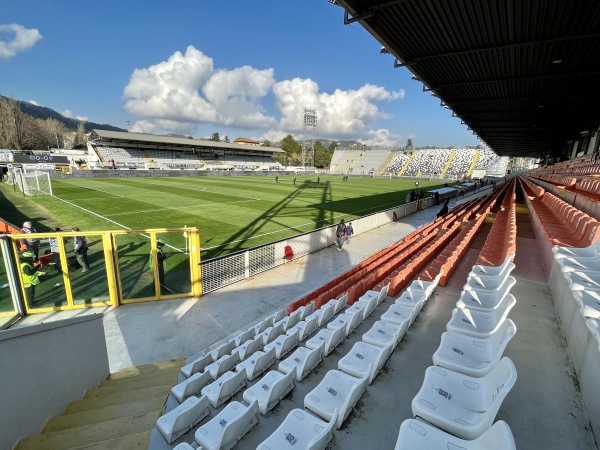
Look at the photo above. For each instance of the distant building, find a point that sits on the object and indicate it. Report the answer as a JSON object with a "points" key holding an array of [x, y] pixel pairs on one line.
{"points": [[247, 141]]}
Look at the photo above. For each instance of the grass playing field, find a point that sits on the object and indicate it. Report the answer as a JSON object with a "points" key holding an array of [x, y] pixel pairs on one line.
{"points": [[232, 213]]}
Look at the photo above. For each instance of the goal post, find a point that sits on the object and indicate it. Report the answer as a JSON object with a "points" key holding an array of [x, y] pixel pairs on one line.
{"points": [[31, 183]]}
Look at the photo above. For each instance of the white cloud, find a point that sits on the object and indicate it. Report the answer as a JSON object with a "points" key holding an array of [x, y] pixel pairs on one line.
{"points": [[15, 38], [186, 90], [143, 126], [33, 102], [383, 138], [69, 115], [82, 118]]}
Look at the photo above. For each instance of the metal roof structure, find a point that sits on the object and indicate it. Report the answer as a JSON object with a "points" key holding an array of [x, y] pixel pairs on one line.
{"points": [[523, 75], [123, 139]]}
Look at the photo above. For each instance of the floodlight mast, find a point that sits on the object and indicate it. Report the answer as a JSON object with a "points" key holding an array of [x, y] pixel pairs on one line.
{"points": [[308, 147]]}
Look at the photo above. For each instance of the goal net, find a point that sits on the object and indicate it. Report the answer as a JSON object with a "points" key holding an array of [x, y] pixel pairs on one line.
{"points": [[31, 183]]}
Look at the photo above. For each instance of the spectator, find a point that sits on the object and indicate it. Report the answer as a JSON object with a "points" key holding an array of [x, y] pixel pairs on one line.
{"points": [[349, 232], [444, 209], [436, 195], [318, 180], [294, 180], [30, 275], [80, 246], [340, 232], [30, 244], [276, 178], [55, 250]]}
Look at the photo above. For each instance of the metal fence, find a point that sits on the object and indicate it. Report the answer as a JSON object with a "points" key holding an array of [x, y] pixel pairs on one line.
{"points": [[225, 270]]}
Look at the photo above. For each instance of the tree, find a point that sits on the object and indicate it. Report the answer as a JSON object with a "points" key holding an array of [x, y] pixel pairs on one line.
{"points": [[79, 140], [322, 155], [266, 143], [215, 137], [226, 139], [409, 144]]}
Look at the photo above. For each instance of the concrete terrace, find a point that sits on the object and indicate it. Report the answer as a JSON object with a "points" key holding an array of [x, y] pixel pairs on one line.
{"points": [[544, 408]]}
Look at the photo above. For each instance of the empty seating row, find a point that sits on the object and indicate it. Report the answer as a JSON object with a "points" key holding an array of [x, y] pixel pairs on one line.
{"points": [[462, 392]]}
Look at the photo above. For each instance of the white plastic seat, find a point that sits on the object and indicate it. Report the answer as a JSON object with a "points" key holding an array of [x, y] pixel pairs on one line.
{"points": [[400, 314], [291, 320], [383, 293], [330, 338], [222, 350], [180, 420], [197, 365], [365, 359], [418, 435], [325, 313], [305, 328], [347, 321], [471, 356], [224, 388], [339, 392], [270, 389], [307, 310], [500, 283], [383, 333], [272, 333], [413, 300], [279, 315], [190, 386], [423, 287], [503, 270], [581, 280], [357, 309], [244, 337], [249, 347], [225, 429], [492, 270], [369, 301], [340, 303], [592, 251], [460, 404], [283, 344], [481, 300], [263, 325], [479, 324], [588, 303], [300, 430], [222, 365], [304, 360], [257, 363]]}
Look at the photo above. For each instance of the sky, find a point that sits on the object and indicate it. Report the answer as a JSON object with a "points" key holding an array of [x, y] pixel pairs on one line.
{"points": [[239, 68]]}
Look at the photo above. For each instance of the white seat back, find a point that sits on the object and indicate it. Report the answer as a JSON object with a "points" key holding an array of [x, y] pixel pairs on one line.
{"points": [[178, 421], [223, 365], [263, 325], [325, 313], [499, 283], [383, 293], [480, 323], [383, 333], [224, 388], [250, 347], [341, 303], [237, 429], [415, 434], [307, 310], [191, 386], [472, 356], [271, 333], [492, 270], [244, 336], [460, 404], [223, 349], [198, 365], [270, 389]]}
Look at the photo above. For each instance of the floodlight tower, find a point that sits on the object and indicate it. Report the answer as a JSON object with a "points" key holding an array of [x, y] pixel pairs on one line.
{"points": [[308, 147]]}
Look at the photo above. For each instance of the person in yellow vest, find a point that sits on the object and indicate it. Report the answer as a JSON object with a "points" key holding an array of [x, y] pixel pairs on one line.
{"points": [[30, 275]]}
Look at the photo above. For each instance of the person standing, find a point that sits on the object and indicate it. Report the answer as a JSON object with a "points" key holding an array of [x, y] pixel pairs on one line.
{"points": [[80, 246], [437, 197], [27, 243], [318, 180], [55, 250], [30, 275], [294, 180], [349, 232], [276, 178], [340, 232]]}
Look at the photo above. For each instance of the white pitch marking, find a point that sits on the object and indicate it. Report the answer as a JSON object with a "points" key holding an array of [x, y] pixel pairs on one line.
{"points": [[100, 190], [180, 207]]}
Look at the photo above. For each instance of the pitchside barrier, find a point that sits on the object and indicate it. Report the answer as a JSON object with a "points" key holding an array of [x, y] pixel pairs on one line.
{"points": [[124, 266]]}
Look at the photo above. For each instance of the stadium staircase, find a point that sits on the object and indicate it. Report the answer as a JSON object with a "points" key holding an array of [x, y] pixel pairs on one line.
{"points": [[98, 154], [119, 414], [414, 153], [473, 163], [342, 162], [384, 167], [147, 156], [354, 163], [448, 163], [201, 160]]}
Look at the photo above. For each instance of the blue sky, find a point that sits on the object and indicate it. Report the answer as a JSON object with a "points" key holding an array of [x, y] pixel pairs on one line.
{"points": [[240, 68]]}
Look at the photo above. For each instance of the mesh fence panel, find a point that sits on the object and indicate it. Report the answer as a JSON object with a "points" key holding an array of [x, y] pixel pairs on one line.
{"points": [[223, 271]]}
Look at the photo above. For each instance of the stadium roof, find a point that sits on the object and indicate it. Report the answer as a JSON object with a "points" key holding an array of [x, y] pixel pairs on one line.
{"points": [[120, 139], [523, 75]]}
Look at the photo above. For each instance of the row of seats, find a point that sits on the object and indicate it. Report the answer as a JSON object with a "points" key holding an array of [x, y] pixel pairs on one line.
{"points": [[582, 165], [462, 393]]}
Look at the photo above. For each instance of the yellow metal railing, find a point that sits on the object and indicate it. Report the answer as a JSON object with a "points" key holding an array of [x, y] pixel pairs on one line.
{"points": [[123, 268]]}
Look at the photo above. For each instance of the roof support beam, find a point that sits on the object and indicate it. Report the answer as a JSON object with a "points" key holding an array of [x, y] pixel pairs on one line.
{"points": [[501, 80], [419, 59]]}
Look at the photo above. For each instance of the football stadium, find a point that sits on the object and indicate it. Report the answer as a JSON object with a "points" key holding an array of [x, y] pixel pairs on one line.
{"points": [[164, 292]]}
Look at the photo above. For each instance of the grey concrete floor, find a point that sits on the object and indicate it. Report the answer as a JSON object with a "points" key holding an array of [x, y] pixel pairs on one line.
{"points": [[544, 408]]}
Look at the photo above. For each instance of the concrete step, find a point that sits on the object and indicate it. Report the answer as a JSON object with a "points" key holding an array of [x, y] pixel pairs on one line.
{"points": [[134, 384], [171, 373], [136, 441], [147, 368], [117, 399], [104, 414], [90, 434]]}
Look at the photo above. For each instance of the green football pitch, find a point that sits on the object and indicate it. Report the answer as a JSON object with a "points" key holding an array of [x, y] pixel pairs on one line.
{"points": [[232, 213]]}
